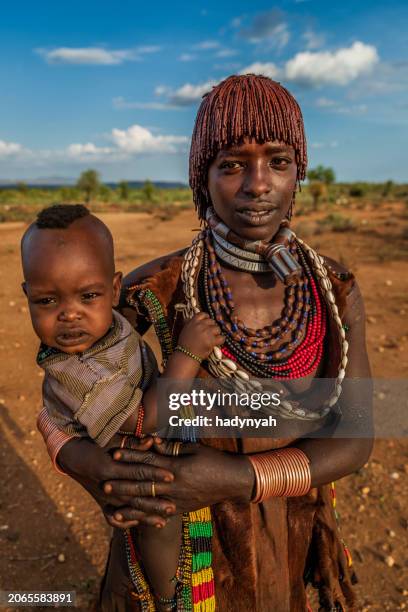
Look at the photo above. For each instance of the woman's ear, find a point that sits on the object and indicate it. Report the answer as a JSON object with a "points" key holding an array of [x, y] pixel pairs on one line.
{"points": [[117, 284]]}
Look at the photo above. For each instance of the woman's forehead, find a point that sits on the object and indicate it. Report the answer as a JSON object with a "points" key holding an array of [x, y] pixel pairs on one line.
{"points": [[250, 145]]}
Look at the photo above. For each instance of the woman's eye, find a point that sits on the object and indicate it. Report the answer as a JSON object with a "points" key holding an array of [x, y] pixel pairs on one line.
{"points": [[230, 165], [280, 161]]}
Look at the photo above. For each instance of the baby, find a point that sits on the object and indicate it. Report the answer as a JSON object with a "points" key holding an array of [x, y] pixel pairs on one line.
{"points": [[100, 377]]}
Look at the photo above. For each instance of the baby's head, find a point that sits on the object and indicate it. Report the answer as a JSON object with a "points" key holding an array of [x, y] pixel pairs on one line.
{"points": [[69, 277]]}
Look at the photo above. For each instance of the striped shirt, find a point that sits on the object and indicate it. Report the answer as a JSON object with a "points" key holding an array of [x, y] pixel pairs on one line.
{"points": [[91, 394]]}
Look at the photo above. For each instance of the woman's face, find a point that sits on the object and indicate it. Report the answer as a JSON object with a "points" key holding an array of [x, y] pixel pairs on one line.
{"points": [[251, 187]]}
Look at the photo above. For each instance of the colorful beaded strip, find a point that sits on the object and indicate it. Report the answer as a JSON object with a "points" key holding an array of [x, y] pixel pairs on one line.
{"points": [[197, 592], [336, 514], [156, 316], [142, 594], [139, 422]]}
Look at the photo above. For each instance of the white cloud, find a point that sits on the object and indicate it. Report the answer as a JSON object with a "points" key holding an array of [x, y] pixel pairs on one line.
{"points": [[94, 55], [226, 53], [325, 102], [87, 150], [188, 93], [313, 40], [269, 27], [236, 22], [332, 68], [187, 57], [9, 149], [206, 45], [137, 139], [354, 109], [119, 103], [337, 107], [333, 144], [267, 69], [148, 49]]}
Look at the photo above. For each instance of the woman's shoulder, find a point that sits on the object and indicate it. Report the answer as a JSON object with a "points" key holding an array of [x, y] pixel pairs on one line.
{"points": [[152, 268], [346, 284], [161, 276]]}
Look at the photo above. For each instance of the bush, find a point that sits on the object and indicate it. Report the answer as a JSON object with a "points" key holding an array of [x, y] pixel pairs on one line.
{"points": [[338, 223], [357, 190]]}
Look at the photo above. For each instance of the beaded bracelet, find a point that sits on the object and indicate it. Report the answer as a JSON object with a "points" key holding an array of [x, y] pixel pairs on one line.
{"points": [[169, 602], [281, 473], [182, 349], [139, 422]]}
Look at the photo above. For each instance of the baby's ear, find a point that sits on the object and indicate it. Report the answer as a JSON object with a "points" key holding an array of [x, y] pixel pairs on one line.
{"points": [[117, 284], [24, 287]]}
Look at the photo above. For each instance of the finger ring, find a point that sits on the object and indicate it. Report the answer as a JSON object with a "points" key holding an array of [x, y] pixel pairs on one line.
{"points": [[176, 449], [123, 442], [153, 489]]}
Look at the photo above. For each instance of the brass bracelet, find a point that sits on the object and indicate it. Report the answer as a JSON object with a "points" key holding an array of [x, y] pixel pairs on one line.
{"points": [[182, 349], [54, 438], [281, 473]]}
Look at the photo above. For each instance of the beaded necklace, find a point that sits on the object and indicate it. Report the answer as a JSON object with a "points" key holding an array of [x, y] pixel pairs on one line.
{"points": [[222, 363], [260, 350]]}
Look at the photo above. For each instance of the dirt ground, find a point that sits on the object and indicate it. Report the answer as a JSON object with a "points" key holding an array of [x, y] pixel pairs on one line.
{"points": [[52, 535]]}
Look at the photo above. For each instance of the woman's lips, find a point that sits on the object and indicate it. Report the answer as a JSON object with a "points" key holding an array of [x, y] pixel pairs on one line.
{"points": [[256, 217], [72, 337]]}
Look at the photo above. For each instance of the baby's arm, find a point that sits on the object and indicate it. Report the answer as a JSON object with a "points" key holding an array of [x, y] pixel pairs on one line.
{"points": [[159, 548], [198, 336]]}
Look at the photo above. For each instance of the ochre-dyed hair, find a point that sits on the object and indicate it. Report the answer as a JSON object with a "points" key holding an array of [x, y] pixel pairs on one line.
{"points": [[247, 106]]}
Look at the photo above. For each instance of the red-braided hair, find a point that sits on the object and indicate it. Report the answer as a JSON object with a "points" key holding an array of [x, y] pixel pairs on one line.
{"points": [[247, 106]]}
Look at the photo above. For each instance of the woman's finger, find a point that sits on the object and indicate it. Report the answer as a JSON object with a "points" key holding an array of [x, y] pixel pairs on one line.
{"points": [[126, 514], [173, 448], [126, 517], [154, 506], [125, 455], [132, 488], [122, 470]]}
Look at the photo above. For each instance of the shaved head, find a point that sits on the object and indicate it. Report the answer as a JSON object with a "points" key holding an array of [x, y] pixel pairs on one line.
{"points": [[44, 242]]}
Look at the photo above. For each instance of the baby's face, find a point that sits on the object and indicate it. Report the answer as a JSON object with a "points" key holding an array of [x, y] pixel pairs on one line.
{"points": [[71, 291]]}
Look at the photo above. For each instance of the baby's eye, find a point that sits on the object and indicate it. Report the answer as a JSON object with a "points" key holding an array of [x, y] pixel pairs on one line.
{"points": [[46, 301], [91, 295]]}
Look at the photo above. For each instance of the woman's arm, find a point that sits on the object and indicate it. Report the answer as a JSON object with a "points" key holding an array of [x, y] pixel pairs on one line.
{"points": [[333, 458]]}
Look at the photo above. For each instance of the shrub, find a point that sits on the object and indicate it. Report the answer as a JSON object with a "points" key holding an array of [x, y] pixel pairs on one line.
{"points": [[338, 223]]}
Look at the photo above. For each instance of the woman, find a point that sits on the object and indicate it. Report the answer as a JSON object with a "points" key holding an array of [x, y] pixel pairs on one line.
{"points": [[286, 314]]}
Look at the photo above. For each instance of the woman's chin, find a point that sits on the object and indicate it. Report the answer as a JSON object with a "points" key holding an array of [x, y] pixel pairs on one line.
{"points": [[253, 233]]}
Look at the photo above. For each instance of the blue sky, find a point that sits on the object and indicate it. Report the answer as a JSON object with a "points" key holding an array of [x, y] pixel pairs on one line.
{"points": [[116, 85]]}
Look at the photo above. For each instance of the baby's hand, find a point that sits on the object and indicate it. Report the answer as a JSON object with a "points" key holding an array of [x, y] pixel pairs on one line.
{"points": [[200, 334]]}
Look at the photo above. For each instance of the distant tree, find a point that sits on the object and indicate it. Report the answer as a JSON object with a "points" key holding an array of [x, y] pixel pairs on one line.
{"points": [[148, 190], [22, 187], [123, 188], [317, 189], [89, 183], [322, 174], [105, 193], [388, 187], [69, 194]]}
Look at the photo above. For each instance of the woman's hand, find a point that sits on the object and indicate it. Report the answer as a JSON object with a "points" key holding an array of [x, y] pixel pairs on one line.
{"points": [[91, 465], [203, 476]]}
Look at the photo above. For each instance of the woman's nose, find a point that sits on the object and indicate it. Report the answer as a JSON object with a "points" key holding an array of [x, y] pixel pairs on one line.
{"points": [[257, 180]]}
